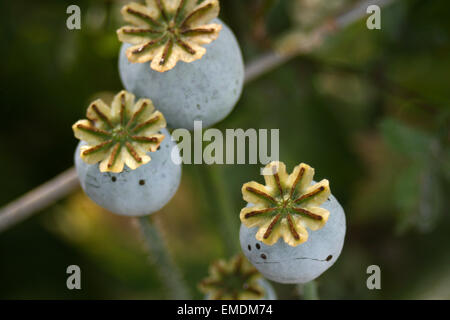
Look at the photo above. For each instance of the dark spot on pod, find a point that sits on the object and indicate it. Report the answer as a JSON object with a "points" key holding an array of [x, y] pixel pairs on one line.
{"points": [[258, 246], [249, 248], [141, 182], [329, 199], [263, 256], [159, 147], [113, 179], [329, 257]]}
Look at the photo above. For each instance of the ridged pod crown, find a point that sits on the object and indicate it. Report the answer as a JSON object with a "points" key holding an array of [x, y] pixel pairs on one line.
{"points": [[286, 205], [120, 134], [167, 31], [235, 279]]}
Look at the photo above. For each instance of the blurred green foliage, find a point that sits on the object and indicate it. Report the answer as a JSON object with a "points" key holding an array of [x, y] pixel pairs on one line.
{"points": [[369, 111]]}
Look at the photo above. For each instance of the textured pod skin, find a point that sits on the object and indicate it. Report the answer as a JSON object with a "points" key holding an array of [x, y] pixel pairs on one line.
{"points": [[206, 89], [133, 192], [304, 263]]}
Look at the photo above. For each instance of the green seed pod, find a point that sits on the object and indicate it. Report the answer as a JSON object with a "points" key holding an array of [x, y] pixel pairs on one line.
{"points": [[236, 279]]}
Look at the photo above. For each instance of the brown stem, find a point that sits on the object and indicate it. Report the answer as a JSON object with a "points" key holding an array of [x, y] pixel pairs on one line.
{"points": [[258, 212], [133, 152], [297, 179], [309, 195], [308, 213], [143, 16], [292, 228], [145, 124], [260, 194], [271, 226]]}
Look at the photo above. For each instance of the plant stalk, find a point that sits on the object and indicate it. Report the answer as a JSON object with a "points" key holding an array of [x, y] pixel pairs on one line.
{"points": [[161, 259], [310, 291], [220, 204]]}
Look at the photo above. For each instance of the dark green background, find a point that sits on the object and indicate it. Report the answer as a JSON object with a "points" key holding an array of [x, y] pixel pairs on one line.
{"points": [[369, 111]]}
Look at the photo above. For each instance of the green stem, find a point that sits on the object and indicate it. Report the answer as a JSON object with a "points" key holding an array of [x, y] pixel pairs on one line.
{"points": [[220, 204], [310, 291], [163, 262]]}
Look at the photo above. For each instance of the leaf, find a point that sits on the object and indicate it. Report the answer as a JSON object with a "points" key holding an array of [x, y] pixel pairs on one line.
{"points": [[419, 195], [406, 140], [431, 199], [407, 188]]}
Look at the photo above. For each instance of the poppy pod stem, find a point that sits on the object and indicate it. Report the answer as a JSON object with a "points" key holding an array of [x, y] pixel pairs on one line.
{"points": [[220, 205], [161, 259], [309, 290]]}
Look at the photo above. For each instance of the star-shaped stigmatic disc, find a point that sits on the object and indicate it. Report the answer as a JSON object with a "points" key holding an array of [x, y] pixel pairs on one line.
{"points": [[286, 205], [120, 134], [167, 31], [235, 279]]}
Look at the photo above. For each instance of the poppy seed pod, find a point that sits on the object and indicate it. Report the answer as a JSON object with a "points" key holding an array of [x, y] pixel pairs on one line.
{"points": [[204, 90], [274, 233], [124, 160], [236, 279]]}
